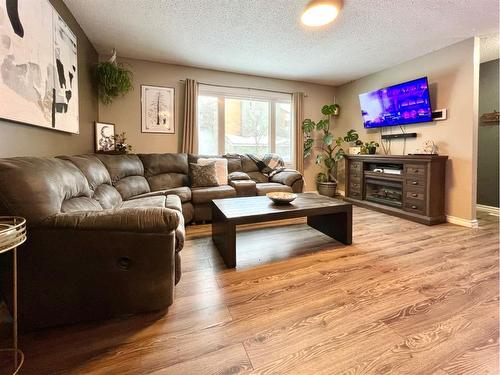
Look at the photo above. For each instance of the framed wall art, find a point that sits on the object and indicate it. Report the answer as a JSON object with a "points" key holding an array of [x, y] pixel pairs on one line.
{"points": [[39, 80], [104, 137], [157, 109]]}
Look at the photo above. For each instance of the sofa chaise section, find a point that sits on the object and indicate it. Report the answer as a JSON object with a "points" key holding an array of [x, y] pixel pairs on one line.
{"points": [[87, 256]]}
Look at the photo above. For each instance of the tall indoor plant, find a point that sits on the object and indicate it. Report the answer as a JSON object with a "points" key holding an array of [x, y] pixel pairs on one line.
{"points": [[331, 151]]}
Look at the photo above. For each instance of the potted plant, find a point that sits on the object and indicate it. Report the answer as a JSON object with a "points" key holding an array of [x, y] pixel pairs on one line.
{"points": [[330, 147], [120, 143], [113, 79], [369, 148]]}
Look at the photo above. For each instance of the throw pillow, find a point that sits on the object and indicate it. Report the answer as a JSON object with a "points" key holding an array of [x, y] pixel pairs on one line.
{"points": [[202, 175], [220, 168], [235, 176]]}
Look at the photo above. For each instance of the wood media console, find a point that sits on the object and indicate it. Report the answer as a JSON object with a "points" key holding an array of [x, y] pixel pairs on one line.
{"points": [[411, 186]]}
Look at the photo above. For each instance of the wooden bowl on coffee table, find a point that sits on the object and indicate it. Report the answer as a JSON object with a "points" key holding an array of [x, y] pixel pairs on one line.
{"points": [[281, 197]]}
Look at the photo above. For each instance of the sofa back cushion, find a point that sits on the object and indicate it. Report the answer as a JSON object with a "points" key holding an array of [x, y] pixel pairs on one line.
{"points": [[92, 168], [37, 188], [248, 165], [165, 171], [233, 163], [127, 174], [99, 179]]}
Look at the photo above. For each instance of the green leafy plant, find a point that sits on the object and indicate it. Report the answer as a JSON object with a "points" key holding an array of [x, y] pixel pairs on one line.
{"points": [[330, 147], [113, 80], [121, 143], [369, 147]]}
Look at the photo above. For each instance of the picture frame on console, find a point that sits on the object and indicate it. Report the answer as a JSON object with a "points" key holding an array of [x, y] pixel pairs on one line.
{"points": [[104, 137], [157, 109]]}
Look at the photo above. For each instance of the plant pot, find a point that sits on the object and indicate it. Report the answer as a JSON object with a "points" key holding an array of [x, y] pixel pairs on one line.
{"points": [[327, 188], [372, 151]]}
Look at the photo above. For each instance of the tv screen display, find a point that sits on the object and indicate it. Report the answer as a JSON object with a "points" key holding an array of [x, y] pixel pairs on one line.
{"points": [[405, 103]]}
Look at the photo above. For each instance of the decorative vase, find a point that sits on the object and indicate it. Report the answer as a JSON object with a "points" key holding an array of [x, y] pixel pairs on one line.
{"points": [[327, 189], [372, 150]]}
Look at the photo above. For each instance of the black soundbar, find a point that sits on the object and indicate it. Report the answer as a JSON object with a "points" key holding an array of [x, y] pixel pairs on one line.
{"points": [[399, 136]]}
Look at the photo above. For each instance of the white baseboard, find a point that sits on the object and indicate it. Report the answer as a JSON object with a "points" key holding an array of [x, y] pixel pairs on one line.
{"points": [[462, 222], [490, 209]]}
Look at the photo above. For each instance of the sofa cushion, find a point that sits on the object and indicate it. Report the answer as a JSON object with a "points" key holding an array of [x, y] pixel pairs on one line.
{"points": [[165, 171], [92, 168], [127, 174], [80, 204], [248, 165], [107, 196], [206, 194], [234, 176], [173, 202], [158, 201], [264, 188], [155, 164], [36, 188], [202, 175], [220, 168], [244, 188], [258, 177], [120, 166], [131, 186], [183, 192], [233, 163]]}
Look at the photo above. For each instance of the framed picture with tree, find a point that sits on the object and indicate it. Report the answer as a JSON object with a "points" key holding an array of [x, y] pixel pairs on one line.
{"points": [[157, 109]]}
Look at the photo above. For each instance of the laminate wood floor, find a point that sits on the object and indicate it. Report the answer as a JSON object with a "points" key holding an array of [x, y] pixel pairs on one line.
{"points": [[403, 299]]}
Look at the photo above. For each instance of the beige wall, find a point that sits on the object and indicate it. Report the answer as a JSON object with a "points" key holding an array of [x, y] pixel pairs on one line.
{"points": [[125, 112], [23, 140], [453, 79]]}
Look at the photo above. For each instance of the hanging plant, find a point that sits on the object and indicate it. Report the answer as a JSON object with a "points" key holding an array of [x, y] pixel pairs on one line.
{"points": [[113, 79]]}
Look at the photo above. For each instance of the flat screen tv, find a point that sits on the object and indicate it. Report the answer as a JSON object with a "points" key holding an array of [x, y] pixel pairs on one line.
{"points": [[401, 104]]}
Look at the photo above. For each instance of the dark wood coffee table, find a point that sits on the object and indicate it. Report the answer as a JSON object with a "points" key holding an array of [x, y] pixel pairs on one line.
{"points": [[330, 216]]}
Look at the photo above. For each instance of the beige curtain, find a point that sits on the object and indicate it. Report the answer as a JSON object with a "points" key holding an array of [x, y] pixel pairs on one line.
{"points": [[298, 117], [190, 130]]}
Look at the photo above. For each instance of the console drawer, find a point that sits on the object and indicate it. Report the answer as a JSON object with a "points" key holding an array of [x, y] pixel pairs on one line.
{"points": [[355, 186], [412, 181], [355, 176], [355, 166], [356, 194], [415, 205], [415, 170], [419, 195]]}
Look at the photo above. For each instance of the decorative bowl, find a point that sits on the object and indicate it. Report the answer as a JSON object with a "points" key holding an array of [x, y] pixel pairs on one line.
{"points": [[281, 197]]}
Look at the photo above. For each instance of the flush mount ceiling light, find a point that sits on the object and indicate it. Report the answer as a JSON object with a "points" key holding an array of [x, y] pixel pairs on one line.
{"points": [[321, 12]]}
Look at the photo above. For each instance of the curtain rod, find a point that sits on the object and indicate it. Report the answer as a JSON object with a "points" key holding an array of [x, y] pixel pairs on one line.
{"points": [[241, 87]]}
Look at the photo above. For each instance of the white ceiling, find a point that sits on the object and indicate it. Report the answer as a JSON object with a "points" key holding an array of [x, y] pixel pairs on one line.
{"points": [[265, 37], [490, 47]]}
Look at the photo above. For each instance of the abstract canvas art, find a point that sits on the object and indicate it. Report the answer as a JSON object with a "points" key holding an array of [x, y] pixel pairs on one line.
{"points": [[157, 107], [38, 66]]}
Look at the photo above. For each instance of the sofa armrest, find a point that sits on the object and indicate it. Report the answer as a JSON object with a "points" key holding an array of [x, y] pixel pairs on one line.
{"points": [[286, 177], [141, 220]]}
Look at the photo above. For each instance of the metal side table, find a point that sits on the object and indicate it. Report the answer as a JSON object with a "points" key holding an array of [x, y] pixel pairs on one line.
{"points": [[13, 234]]}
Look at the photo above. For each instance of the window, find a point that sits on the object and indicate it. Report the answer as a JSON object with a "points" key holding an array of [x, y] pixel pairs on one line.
{"points": [[233, 120]]}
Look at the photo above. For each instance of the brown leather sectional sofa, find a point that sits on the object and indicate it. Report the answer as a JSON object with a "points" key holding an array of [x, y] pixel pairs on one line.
{"points": [[105, 231]]}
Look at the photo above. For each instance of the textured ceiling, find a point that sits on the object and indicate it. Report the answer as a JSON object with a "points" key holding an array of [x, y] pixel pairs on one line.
{"points": [[490, 47], [265, 37]]}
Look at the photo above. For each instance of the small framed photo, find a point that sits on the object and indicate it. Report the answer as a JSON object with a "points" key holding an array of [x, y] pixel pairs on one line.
{"points": [[104, 137], [157, 109]]}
